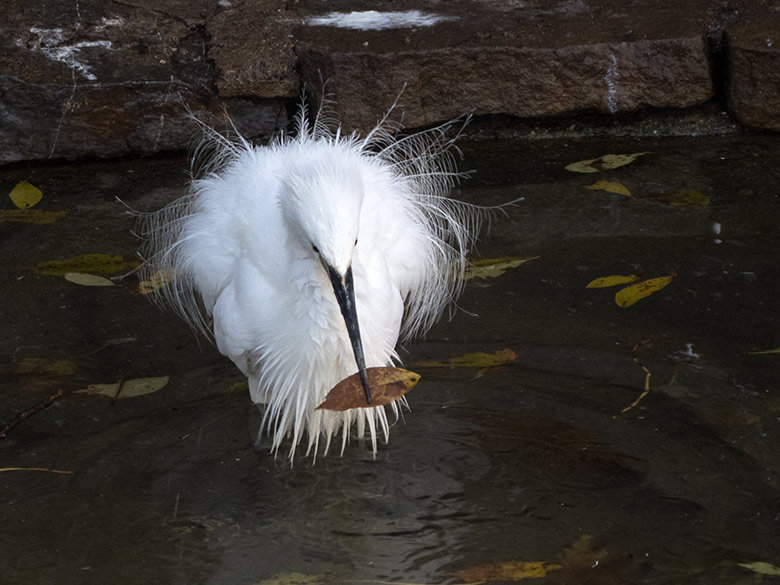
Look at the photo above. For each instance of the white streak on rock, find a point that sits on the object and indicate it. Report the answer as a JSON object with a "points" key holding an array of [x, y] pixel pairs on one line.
{"points": [[375, 20], [611, 79], [54, 46]]}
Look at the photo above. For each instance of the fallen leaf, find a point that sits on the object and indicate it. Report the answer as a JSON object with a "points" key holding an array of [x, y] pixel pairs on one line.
{"points": [[129, 388], [46, 366], [492, 267], [101, 263], [511, 571], [294, 579], [158, 280], [85, 279], [502, 357], [386, 384], [626, 297], [761, 568], [612, 280], [38, 216], [602, 163], [766, 351], [686, 198], [610, 186], [25, 195]]}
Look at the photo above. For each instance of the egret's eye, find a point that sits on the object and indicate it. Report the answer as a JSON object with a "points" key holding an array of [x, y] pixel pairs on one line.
{"points": [[316, 250]]}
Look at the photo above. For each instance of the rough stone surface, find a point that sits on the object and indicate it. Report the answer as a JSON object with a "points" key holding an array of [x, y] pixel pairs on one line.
{"points": [[754, 71], [510, 80], [98, 79], [252, 48], [91, 78], [529, 63]]}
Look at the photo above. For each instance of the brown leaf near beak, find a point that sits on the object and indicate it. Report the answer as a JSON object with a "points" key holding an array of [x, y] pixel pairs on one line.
{"points": [[387, 385]]}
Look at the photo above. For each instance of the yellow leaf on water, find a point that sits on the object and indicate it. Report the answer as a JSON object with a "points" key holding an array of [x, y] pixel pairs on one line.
{"points": [[25, 195], [129, 388], [38, 216], [631, 294], [602, 163], [85, 279], [761, 568], [158, 280], [766, 351], [610, 186], [46, 366], [492, 267], [101, 263], [386, 385], [612, 280], [479, 359], [511, 571]]}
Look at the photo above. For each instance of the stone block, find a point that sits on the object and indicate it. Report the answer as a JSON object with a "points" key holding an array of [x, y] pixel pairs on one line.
{"points": [[527, 63], [754, 71]]}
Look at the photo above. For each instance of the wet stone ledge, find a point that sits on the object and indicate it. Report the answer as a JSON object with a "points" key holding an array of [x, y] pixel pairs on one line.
{"points": [[105, 79]]}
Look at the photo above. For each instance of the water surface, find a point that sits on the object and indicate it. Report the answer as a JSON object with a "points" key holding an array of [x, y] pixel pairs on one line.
{"points": [[528, 462]]}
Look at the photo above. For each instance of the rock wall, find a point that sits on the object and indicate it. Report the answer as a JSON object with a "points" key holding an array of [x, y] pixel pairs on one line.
{"points": [[91, 78]]}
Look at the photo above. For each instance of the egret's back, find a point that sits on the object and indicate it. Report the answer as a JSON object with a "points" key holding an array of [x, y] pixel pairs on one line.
{"points": [[251, 246]]}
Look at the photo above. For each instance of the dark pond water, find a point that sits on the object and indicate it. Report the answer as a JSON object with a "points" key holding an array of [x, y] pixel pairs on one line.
{"points": [[528, 462]]}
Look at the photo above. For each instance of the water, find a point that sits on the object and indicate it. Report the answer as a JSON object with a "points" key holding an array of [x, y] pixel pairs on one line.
{"points": [[528, 462]]}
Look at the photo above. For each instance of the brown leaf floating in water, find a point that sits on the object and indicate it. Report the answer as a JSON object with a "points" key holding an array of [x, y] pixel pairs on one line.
{"points": [[387, 385]]}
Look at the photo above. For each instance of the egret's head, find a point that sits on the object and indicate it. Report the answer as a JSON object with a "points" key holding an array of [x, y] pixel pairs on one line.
{"points": [[323, 204]]}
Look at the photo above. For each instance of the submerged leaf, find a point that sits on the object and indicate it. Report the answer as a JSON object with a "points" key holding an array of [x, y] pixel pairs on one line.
{"points": [[631, 294], [294, 579], [46, 366], [38, 216], [610, 186], [492, 267], [25, 195], [612, 280], [686, 199], [242, 386], [766, 351], [101, 263], [85, 279], [761, 568], [479, 359], [602, 163], [158, 280], [127, 388], [511, 571], [386, 384]]}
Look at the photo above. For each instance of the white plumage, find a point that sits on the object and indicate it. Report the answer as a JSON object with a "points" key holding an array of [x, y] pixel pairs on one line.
{"points": [[266, 235]]}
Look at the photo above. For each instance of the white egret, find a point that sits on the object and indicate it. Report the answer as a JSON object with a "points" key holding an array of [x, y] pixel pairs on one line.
{"points": [[308, 258]]}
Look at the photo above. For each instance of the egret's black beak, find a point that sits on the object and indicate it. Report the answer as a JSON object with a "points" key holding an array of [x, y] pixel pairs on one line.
{"points": [[344, 288]]}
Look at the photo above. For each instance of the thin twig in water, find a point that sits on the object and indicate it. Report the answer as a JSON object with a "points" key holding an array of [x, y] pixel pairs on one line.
{"points": [[63, 472], [646, 391], [118, 391], [34, 409]]}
